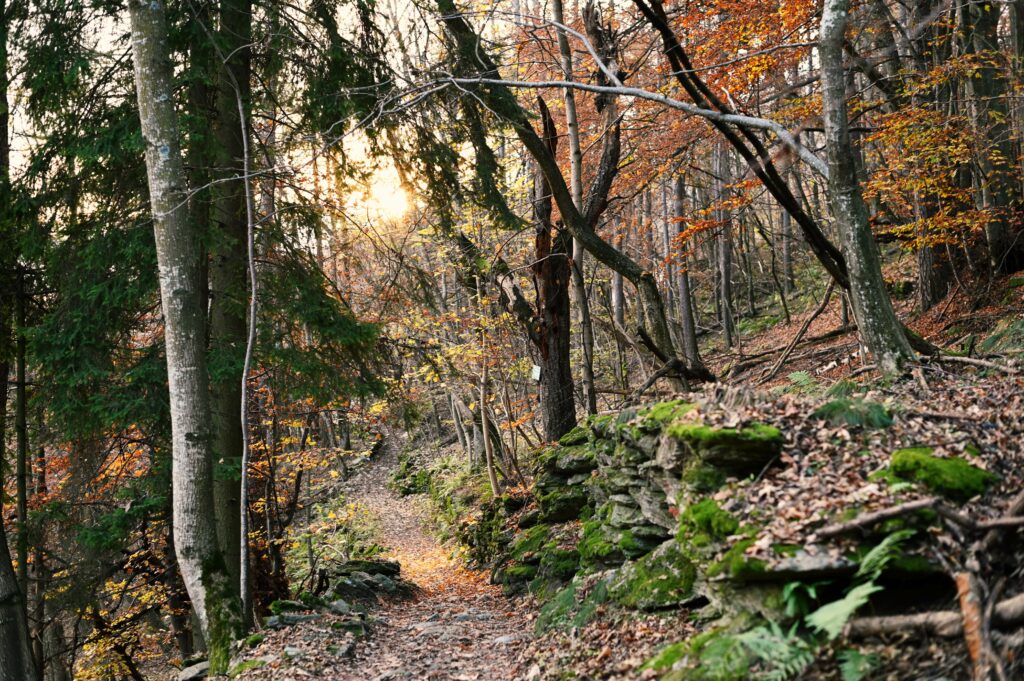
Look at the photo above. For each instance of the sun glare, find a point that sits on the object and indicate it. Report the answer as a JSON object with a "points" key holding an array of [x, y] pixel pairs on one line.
{"points": [[382, 196]]}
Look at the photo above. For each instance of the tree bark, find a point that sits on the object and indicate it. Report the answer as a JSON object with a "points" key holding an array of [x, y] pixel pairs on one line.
{"points": [[988, 88], [551, 272], [228, 271], [203, 570], [879, 328], [16, 662], [724, 250], [685, 297], [576, 182]]}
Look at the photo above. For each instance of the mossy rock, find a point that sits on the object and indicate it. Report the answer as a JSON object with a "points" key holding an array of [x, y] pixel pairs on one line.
{"points": [[573, 606], [658, 415], [485, 536], [702, 477], [282, 606], [736, 565], [667, 657], [596, 549], [662, 579], [951, 477], [577, 436], [579, 459], [603, 547], [734, 451], [563, 504], [557, 567], [527, 545], [601, 425], [391, 568], [705, 522]]}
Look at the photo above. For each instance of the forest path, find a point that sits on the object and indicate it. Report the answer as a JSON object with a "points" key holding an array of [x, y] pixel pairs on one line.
{"points": [[457, 627]]}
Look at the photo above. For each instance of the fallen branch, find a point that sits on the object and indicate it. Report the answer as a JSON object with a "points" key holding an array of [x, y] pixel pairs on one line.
{"points": [[973, 361], [943, 623], [930, 503], [968, 594], [799, 334], [673, 365]]}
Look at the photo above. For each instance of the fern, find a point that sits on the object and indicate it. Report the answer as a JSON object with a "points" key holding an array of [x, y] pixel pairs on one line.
{"points": [[855, 665], [876, 559], [830, 618], [802, 381], [856, 412], [782, 654]]}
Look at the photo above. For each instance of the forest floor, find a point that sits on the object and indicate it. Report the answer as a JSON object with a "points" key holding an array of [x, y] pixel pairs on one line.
{"points": [[457, 627]]}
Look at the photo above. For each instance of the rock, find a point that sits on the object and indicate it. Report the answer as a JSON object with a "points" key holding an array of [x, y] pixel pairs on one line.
{"points": [[197, 671], [734, 451], [529, 519], [508, 638], [341, 649], [804, 565], [577, 436], [653, 505], [623, 516], [952, 477], [278, 607], [563, 504], [340, 607], [291, 652], [663, 578], [288, 619], [575, 460], [389, 568]]}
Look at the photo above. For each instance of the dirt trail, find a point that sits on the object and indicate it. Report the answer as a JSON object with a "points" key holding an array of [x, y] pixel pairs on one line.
{"points": [[459, 627]]}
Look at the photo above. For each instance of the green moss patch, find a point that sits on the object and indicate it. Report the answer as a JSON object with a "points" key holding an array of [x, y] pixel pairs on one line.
{"points": [[951, 477], [662, 413], [577, 436], [661, 579], [573, 606], [527, 544], [736, 564], [735, 451], [854, 412], [669, 656], [705, 521]]}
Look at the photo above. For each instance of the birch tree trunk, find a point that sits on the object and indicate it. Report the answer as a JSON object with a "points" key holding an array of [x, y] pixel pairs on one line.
{"points": [[179, 254], [880, 330]]}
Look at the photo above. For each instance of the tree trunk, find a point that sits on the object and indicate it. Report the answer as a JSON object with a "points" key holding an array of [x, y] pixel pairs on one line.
{"points": [[988, 88], [551, 273], [16, 662], [685, 297], [228, 272], [879, 328], [21, 431], [724, 249], [576, 183], [203, 570]]}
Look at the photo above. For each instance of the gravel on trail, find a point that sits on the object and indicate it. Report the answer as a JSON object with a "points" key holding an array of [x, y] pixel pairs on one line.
{"points": [[457, 627]]}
